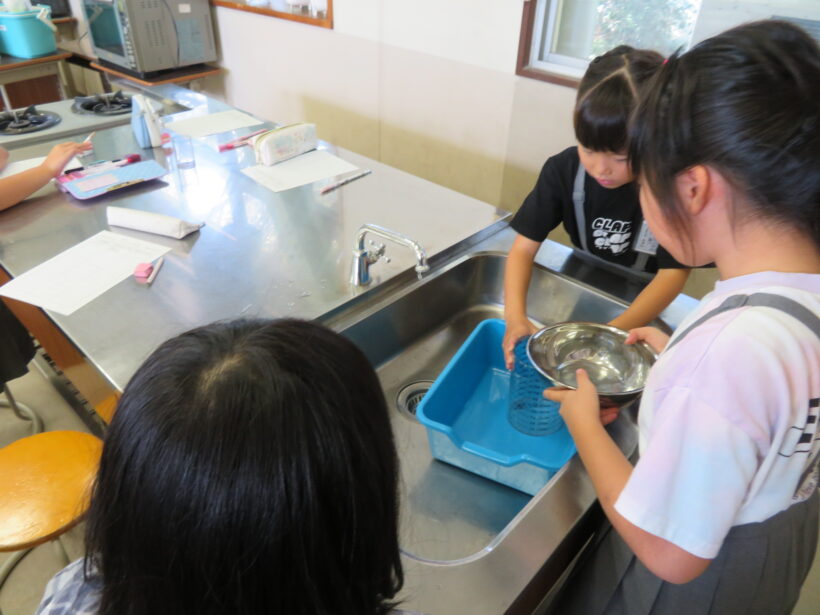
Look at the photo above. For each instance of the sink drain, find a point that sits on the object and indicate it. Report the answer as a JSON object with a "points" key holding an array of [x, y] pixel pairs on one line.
{"points": [[410, 397]]}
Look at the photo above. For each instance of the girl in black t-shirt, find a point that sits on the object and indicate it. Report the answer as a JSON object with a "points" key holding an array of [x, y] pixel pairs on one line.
{"points": [[590, 189]]}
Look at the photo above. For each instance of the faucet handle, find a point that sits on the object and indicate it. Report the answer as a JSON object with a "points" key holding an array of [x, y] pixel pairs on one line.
{"points": [[376, 252]]}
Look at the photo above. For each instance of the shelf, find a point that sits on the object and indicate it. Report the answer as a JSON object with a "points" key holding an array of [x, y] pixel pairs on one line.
{"points": [[8, 62], [182, 75]]}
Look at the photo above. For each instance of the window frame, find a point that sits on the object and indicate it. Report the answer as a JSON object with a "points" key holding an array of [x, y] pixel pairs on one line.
{"points": [[529, 29], [240, 5]]}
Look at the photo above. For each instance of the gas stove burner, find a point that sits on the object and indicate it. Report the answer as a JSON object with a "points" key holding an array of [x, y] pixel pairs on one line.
{"points": [[21, 121], [103, 104]]}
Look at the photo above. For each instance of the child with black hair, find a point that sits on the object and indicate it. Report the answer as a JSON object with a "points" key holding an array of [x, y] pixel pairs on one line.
{"points": [[250, 468], [720, 513], [590, 189]]}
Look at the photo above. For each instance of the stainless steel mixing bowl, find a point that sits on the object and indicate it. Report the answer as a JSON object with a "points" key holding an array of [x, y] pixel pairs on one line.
{"points": [[618, 370]]}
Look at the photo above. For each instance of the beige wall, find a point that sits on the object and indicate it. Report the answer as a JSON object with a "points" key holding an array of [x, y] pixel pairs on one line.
{"points": [[426, 86]]}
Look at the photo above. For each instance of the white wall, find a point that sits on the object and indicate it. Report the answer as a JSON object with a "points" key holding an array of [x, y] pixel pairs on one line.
{"points": [[481, 33], [718, 15]]}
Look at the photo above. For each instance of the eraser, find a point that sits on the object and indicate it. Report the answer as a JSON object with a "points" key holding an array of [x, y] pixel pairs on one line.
{"points": [[143, 270]]}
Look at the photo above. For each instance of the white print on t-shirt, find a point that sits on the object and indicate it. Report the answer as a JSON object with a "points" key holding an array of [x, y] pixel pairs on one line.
{"points": [[609, 234], [805, 440]]}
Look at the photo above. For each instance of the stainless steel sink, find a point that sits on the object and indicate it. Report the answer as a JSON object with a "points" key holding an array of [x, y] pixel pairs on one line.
{"points": [[450, 514], [472, 545]]}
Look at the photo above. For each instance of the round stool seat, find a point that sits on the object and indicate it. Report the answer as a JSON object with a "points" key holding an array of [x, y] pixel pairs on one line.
{"points": [[45, 486]]}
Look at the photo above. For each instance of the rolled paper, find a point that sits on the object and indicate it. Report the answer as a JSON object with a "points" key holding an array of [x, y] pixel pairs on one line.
{"points": [[150, 222]]}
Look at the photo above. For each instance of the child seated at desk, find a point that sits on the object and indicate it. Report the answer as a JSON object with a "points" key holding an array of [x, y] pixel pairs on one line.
{"points": [[19, 186], [16, 348]]}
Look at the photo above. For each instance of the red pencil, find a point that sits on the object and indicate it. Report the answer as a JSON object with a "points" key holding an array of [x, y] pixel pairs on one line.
{"points": [[240, 141]]}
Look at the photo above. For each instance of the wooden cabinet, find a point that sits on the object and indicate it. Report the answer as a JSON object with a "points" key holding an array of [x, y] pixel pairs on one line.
{"points": [[33, 91]]}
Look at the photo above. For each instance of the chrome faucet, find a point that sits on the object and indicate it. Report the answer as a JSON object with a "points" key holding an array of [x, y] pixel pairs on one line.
{"points": [[362, 259]]}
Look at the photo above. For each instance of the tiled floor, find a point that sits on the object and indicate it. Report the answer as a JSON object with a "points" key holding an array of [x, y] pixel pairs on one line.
{"points": [[23, 590]]}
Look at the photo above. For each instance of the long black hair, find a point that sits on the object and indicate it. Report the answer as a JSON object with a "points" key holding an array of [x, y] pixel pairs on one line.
{"points": [[745, 102], [608, 93], [250, 468]]}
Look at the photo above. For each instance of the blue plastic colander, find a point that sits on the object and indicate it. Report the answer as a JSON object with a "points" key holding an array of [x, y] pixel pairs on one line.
{"points": [[529, 411]]}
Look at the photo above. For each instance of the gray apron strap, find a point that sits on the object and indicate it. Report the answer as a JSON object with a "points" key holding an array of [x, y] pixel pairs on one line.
{"points": [[777, 302], [640, 262], [578, 198]]}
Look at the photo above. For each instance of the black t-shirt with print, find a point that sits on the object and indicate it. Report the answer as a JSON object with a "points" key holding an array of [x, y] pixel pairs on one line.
{"points": [[613, 215]]}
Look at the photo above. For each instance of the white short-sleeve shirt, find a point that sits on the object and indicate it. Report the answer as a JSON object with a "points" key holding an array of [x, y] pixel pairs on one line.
{"points": [[729, 419]]}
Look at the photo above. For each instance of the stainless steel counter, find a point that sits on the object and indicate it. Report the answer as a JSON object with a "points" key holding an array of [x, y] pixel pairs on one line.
{"points": [[260, 254]]}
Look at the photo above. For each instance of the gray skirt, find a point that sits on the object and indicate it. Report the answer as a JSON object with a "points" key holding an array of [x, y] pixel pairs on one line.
{"points": [[758, 571], [16, 347]]}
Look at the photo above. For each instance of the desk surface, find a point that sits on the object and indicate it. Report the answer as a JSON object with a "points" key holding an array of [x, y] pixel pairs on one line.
{"points": [[11, 62], [261, 254]]}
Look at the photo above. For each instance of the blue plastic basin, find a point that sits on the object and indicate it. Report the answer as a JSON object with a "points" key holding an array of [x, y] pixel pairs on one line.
{"points": [[466, 416]]}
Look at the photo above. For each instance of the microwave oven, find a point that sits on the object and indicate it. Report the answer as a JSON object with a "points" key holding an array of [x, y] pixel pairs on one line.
{"points": [[147, 37]]}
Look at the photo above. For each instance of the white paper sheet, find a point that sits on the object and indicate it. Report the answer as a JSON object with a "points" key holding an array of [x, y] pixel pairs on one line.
{"points": [[75, 277], [304, 169], [13, 168], [215, 123]]}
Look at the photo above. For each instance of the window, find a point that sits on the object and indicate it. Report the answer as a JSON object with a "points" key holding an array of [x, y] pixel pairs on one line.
{"points": [[314, 12], [560, 37], [566, 34]]}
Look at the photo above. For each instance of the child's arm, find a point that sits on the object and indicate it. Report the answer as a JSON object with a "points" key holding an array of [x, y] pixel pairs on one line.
{"points": [[609, 470], [517, 274], [17, 187], [659, 293]]}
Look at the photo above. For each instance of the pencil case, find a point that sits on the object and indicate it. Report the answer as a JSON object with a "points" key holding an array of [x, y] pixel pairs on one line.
{"points": [[284, 143]]}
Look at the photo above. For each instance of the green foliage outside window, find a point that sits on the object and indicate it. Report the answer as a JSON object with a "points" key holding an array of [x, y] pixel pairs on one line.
{"points": [[662, 25]]}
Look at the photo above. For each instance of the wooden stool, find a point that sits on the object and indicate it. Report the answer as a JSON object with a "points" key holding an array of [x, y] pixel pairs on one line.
{"points": [[45, 486]]}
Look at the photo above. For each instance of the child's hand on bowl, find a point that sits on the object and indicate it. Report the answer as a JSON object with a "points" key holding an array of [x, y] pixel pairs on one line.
{"points": [[656, 338], [516, 328], [582, 406]]}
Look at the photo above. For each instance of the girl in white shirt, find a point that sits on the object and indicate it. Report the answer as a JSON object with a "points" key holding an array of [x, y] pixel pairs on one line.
{"points": [[720, 513]]}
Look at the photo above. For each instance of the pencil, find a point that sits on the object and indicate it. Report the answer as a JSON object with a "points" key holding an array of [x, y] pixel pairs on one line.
{"points": [[88, 138], [345, 181], [154, 273], [241, 141]]}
